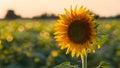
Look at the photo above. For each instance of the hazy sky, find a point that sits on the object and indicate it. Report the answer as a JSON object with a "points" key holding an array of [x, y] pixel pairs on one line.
{"points": [[30, 8]]}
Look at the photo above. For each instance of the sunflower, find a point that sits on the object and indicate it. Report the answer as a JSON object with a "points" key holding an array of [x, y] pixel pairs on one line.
{"points": [[76, 31]]}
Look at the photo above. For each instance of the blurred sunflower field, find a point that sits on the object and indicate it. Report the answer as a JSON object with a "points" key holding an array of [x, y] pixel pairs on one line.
{"points": [[31, 44]]}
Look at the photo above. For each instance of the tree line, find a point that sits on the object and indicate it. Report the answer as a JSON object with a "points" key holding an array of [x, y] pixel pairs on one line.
{"points": [[11, 15]]}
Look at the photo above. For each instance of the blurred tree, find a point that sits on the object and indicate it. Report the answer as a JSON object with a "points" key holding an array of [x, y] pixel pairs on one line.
{"points": [[46, 16], [117, 16], [11, 15]]}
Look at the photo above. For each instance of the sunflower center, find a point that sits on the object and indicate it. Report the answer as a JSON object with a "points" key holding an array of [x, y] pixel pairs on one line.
{"points": [[78, 32]]}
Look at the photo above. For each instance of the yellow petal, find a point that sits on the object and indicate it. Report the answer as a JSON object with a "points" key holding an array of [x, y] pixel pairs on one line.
{"points": [[62, 17], [68, 49], [73, 52], [77, 54], [75, 11], [67, 13]]}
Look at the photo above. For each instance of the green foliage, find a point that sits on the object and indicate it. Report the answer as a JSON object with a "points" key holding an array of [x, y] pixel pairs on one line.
{"points": [[103, 64], [102, 38], [66, 65], [31, 44]]}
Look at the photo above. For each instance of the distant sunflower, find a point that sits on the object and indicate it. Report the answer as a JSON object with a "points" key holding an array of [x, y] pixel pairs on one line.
{"points": [[76, 31]]}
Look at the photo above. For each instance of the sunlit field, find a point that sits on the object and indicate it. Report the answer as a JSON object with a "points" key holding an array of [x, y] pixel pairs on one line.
{"points": [[31, 44]]}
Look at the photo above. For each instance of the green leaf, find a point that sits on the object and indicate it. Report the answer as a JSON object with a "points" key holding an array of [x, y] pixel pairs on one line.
{"points": [[102, 38], [103, 64], [66, 65]]}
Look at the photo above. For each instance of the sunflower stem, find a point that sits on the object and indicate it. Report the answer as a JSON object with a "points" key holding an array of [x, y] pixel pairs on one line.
{"points": [[84, 61]]}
